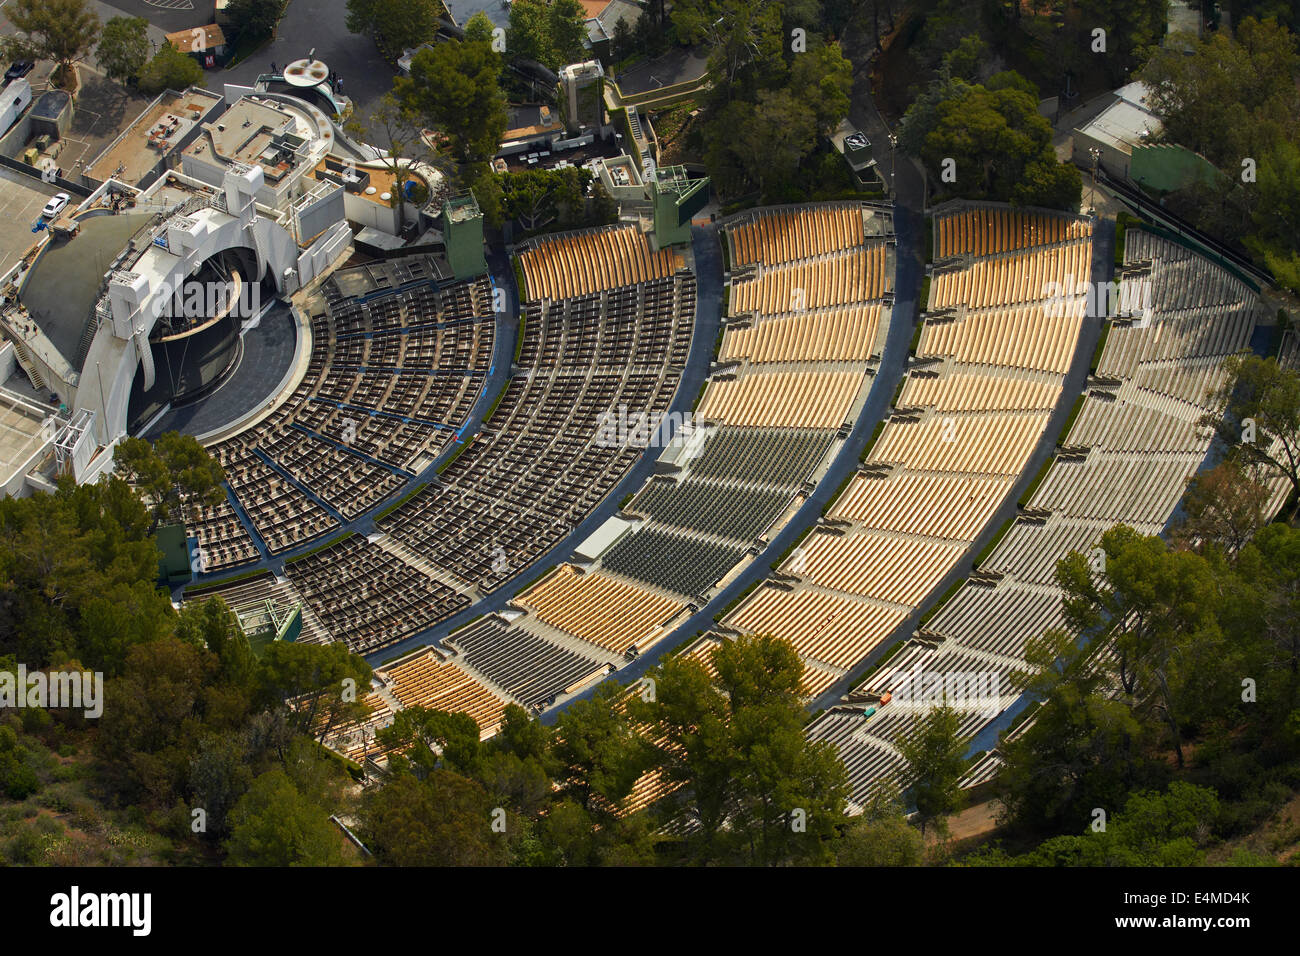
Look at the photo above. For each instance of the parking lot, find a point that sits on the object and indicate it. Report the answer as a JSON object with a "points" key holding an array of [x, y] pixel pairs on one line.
{"points": [[21, 199]]}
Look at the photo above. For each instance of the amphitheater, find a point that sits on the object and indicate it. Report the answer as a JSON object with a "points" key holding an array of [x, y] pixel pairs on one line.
{"points": [[436, 492]]}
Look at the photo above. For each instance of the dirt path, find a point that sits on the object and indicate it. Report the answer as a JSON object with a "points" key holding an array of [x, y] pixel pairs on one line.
{"points": [[976, 821]]}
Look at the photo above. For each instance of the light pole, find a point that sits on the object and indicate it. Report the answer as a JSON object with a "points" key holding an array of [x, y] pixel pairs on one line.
{"points": [[1095, 153], [893, 144]]}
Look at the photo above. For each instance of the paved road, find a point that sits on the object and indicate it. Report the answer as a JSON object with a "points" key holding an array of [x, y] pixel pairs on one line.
{"points": [[307, 25], [675, 66], [319, 25]]}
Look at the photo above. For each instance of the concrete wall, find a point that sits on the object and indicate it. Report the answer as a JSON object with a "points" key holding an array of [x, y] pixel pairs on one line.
{"points": [[367, 212]]}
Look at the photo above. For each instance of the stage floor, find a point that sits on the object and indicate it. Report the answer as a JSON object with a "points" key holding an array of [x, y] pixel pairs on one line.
{"points": [[267, 355]]}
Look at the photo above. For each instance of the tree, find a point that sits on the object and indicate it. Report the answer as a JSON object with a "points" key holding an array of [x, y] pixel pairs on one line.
{"points": [[219, 776], [1159, 606], [935, 756], [757, 789], [123, 48], [761, 143], [1233, 97], [323, 682], [549, 32], [60, 30], [1224, 506], [274, 825], [821, 80], [170, 69], [18, 780], [540, 197], [1149, 829], [76, 567], [1269, 566], [254, 18], [396, 25], [622, 43], [172, 470], [1276, 214], [880, 835], [431, 738], [1083, 750], [444, 820], [212, 625], [453, 88], [993, 142], [1257, 413], [394, 123], [149, 716], [599, 753], [1132, 27], [1049, 184]]}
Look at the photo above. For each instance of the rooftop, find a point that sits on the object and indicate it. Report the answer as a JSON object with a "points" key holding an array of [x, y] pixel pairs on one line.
{"points": [[64, 283], [197, 39], [256, 133], [462, 208], [530, 119], [379, 180], [1123, 124], [21, 432], [152, 135]]}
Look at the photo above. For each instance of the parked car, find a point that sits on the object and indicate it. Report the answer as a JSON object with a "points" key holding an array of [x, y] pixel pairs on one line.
{"points": [[55, 205], [18, 69]]}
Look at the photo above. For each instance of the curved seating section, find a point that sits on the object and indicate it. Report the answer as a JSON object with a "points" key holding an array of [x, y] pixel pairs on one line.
{"points": [[1024, 336], [579, 263], [787, 382], [782, 399], [950, 507], [369, 596], [974, 392], [971, 412], [675, 560], [767, 433], [540, 465], [428, 679], [839, 332], [852, 275], [1012, 278], [222, 540], [535, 470], [789, 234], [283, 514], [771, 456], [987, 230], [738, 511], [831, 627], [985, 443], [606, 611], [1126, 459], [529, 668], [397, 361]]}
